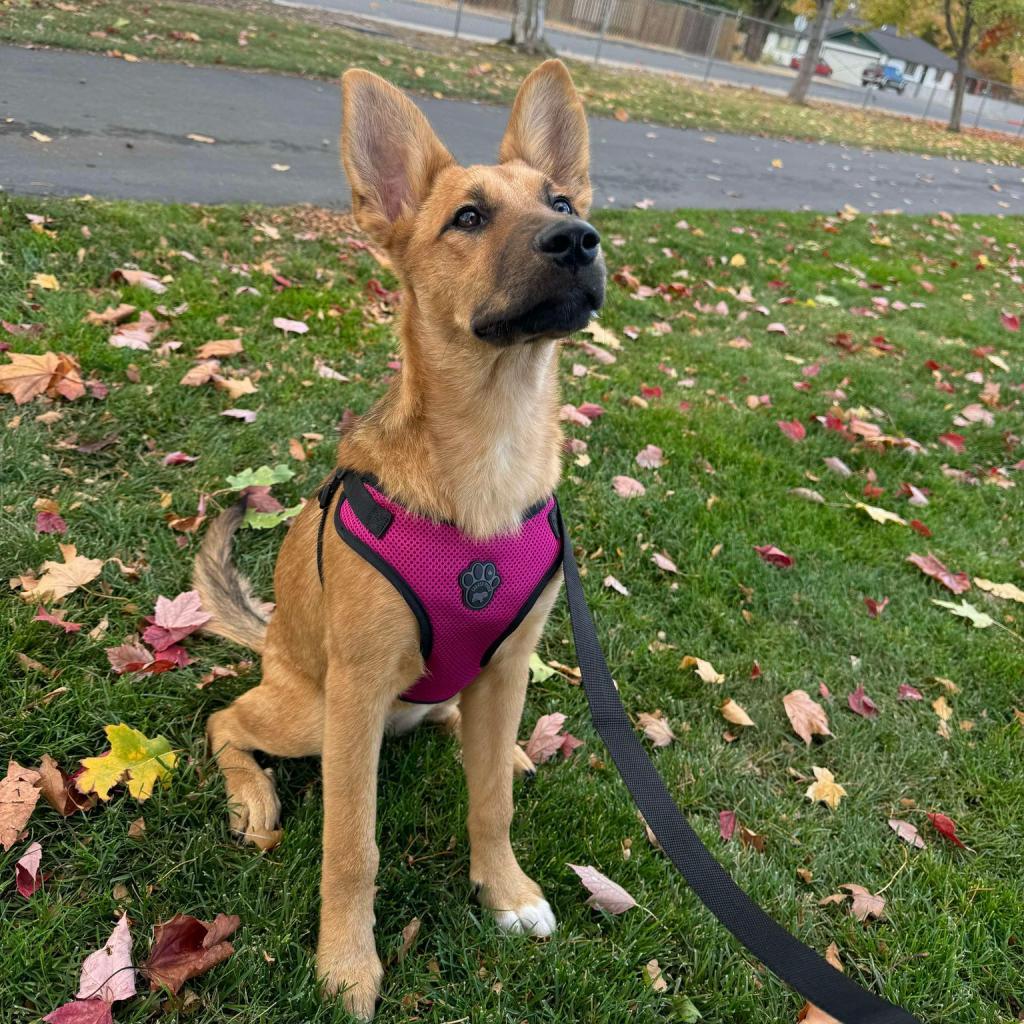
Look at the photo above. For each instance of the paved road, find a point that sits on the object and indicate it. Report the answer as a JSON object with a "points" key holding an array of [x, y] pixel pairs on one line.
{"points": [[433, 17], [120, 130]]}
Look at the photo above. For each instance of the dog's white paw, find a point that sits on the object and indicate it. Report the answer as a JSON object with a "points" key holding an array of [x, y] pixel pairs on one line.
{"points": [[537, 919]]}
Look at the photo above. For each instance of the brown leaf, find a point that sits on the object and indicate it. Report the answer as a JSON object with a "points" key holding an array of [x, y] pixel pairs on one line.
{"points": [[656, 728], [111, 315], [219, 348], [59, 790], [201, 373], [54, 374], [865, 903], [62, 578], [958, 582], [735, 713], [19, 792], [186, 947], [409, 933], [806, 715]]}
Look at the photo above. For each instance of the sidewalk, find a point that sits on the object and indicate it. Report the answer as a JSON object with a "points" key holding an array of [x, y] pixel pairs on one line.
{"points": [[121, 130]]}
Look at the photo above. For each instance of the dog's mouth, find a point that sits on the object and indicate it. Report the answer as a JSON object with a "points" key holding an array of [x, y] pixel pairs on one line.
{"points": [[553, 317]]}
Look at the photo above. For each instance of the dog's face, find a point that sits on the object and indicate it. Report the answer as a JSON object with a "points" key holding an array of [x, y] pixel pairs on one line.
{"points": [[491, 255]]}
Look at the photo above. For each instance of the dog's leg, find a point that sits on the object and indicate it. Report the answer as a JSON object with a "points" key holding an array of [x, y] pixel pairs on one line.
{"points": [[283, 716], [491, 709], [357, 707], [449, 719]]}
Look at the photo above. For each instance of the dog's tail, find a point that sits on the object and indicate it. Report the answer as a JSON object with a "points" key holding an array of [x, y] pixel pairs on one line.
{"points": [[226, 594]]}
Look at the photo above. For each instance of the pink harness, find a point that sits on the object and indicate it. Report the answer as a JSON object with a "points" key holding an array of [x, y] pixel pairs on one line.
{"points": [[467, 595]]}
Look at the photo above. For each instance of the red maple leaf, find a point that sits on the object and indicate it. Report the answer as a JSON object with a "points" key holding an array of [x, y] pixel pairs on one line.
{"points": [[946, 827]]}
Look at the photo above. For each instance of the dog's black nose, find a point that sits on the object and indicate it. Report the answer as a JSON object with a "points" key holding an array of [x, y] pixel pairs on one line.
{"points": [[570, 243]]}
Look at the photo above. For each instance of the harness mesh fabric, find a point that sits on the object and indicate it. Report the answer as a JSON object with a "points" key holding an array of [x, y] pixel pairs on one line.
{"points": [[473, 592]]}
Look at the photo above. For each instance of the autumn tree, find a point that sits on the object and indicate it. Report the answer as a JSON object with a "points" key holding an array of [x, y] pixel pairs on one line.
{"points": [[809, 59], [965, 24]]}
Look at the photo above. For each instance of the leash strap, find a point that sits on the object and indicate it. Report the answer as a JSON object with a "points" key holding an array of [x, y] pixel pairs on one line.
{"points": [[797, 964]]}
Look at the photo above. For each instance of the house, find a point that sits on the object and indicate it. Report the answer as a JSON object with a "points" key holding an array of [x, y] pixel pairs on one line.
{"points": [[851, 45]]}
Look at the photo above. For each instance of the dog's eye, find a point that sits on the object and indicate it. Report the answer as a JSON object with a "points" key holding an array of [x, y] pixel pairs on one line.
{"points": [[468, 218], [562, 205]]}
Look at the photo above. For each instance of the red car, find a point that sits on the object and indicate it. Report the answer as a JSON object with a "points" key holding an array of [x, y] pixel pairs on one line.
{"points": [[821, 68]]}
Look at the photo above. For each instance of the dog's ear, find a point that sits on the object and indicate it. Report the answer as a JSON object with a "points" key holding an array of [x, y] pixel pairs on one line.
{"points": [[548, 131], [390, 152]]}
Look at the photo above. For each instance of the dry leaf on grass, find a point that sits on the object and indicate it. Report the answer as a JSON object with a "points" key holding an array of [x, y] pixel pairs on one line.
{"points": [[186, 947], [132, 758], [656, 728], [807, 716], [735, 713], [59, 579], [825, 790], [108, 973], [54, 374], [703, 668], [604, 893], [907, 832], [19, 793]]}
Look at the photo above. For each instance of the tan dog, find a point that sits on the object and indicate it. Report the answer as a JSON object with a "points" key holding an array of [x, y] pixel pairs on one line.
{"points": [[495, 265]]}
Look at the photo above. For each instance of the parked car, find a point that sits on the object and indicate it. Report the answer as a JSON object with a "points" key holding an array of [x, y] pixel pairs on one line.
{"points": [[821, 68], [884, 76]]}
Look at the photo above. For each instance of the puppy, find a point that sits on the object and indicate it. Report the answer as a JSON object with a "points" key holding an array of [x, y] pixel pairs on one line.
{"points": [[462, 453]]}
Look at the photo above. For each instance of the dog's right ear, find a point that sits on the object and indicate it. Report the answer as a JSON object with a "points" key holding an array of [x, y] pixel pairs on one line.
{"points": [[390, 152]]}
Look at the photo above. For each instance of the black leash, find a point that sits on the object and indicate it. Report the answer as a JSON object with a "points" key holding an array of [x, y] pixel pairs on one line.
{"points": [[797, 964]]}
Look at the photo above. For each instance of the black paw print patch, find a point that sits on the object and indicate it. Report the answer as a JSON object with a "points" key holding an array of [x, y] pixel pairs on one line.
{"points": [[479, 581]]}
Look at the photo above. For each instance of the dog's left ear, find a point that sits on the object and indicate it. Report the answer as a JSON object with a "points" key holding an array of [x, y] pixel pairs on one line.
{"points": [[548, 131]]}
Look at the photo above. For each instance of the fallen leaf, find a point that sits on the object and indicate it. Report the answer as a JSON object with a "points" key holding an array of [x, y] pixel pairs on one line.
{"points": [[864, 904], [806, 715], [861, 704], [793, 429], [946, 827], [663, 562], [60, 791], [47, 282], [726, 824], [703, 668], [777, 328], [1005, 591], [139, 279], [186, 947], [1010, 321], [654, 976], [954, 441], [219, 349], [838, 467], [807, 494], [27, 874], [42, 615], [931, 566], [207, 140], [409, 933], [656, 728], [290, 326], [627, 487], [133, 758], [907, 832], [825, 790], [81, 1011], [734, 713], [880, 515], [108, 973], [111, 315], [649, 457], [173, 620], [40, 137], [875, 608], [773, 556], [50, 522], [966, 610], [54, 374], [59, 579], [612, 583], [908, 692], [546, 739], [604, 893]]}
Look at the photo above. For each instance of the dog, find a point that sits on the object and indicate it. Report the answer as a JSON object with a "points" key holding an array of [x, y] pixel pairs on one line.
{"points": [[496, 264]]}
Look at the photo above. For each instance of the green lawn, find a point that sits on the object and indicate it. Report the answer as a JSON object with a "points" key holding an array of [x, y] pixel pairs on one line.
{"points": [[255, 34], [950, 946]]}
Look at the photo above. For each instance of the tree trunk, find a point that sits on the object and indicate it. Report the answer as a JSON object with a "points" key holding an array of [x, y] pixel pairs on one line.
{"points": [[757, 31], [528, 26], [959, 87], [809, 60]]}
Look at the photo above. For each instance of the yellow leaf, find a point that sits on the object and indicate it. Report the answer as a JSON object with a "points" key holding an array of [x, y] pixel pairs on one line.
{"points": [[825, 790], [602, 335], [738, 260], [941, 707], [880, 515], [703, 668], [777, 164], [47, 282], [735, 713], [132, 758], [1007, 591], [62, 578], [235, 388], [998, 361], [27, 376], [40, 137]]}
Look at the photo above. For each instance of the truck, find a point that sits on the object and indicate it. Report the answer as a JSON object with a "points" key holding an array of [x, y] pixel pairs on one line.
{"points": [[884, 76]]}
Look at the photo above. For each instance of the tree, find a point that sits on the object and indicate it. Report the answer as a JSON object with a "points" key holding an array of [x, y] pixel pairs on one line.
{"points": [[757, 31], [966, 24], [810, 57], [528, 26]]}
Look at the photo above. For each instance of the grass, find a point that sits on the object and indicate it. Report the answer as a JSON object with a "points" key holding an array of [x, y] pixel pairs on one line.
{"points": [[950, 946], [312, 44]]}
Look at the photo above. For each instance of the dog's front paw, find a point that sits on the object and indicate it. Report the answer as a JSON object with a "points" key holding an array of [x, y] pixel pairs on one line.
{"points": [[536, 918], [356, 977], [254, 810]]}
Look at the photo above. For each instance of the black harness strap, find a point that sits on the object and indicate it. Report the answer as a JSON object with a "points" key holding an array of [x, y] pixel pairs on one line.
{"points": [[790, 959], [326, 497]]}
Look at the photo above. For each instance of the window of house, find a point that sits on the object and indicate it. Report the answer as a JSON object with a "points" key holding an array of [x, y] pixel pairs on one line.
{"points": [[910, 69]]}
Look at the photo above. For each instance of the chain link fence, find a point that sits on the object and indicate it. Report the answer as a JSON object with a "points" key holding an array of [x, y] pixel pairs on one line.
{"points": [[713, 43]]}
